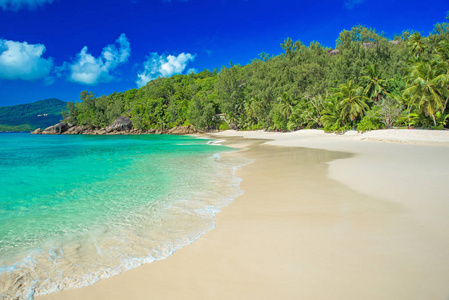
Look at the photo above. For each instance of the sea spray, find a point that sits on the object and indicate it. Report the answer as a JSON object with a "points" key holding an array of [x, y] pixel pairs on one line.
{"points": [[78, 209]]}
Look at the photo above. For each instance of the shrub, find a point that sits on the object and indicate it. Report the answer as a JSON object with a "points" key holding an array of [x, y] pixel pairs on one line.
{"points": [[223, 126], [336, 127], [368, 123], [258, 126]]}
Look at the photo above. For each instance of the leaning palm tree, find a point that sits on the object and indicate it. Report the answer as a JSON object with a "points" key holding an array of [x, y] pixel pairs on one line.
{"points": [[417, 44], [428, 89], [351, 103], [373, 82]]}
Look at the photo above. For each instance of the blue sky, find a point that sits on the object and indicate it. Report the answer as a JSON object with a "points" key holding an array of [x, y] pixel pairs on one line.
{"points": [[58, 48]]}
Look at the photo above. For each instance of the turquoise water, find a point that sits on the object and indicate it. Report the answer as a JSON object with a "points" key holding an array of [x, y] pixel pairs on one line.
{"points": [[74, 209]]}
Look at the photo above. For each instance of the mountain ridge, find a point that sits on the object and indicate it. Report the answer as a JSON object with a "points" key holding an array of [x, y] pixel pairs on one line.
{"points": [[29, 116]]}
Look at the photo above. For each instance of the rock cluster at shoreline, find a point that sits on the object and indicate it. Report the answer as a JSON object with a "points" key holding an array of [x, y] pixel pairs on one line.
{"points": [[121, 126]]}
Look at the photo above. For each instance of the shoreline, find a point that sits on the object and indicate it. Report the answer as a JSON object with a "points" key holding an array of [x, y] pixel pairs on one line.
{"points": [[192, 191], [349, 226]]}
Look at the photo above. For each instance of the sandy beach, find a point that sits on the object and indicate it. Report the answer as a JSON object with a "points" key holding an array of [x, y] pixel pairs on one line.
{"points": [[323, 216]]}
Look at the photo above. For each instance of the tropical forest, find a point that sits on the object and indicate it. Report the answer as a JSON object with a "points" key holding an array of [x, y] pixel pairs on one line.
{"points": [[368, 81]]}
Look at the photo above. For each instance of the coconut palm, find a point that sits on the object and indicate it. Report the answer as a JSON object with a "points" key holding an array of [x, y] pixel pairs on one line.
{"points": [[417, 44], [351, 103], [443, 64], [254, 111], [428, 89], [283, 110], [373, 82], [443, 50], [330, 115], [286, 105]]}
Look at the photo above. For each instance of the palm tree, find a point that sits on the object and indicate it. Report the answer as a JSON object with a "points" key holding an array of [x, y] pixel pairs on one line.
{"points": [[254, 108], [443, 65], [286, 105], [330, 115], [283, 110], [443, 50], [351, 103], [374, 84], [428, 89], [417, 44]]}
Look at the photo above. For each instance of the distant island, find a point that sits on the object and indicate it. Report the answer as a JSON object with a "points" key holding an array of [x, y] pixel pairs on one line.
{"points": [[28, 117]]}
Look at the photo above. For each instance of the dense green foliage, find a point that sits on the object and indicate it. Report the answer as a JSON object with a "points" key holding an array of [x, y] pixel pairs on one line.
{"points": [[27, 117], [367, 82]]}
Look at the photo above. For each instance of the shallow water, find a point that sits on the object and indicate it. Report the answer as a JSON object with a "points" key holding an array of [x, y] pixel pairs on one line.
{"points": [[74, 209]]}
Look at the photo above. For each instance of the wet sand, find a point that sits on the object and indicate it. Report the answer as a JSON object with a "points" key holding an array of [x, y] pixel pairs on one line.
{"points": [[366, 220]]}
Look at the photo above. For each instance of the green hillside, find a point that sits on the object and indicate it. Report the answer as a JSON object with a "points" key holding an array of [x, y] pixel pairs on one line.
{"points": [[27, 117], [367, 82]]}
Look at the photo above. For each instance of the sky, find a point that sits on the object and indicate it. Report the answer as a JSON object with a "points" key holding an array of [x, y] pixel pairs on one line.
{"points": [[58, 48]]}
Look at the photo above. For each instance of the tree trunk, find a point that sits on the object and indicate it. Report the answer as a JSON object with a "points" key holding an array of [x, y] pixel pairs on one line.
{"points": [[409, 111], [445, 104]]}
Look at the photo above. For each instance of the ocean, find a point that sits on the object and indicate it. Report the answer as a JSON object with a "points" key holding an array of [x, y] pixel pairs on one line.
{"points": [[75, 209]]}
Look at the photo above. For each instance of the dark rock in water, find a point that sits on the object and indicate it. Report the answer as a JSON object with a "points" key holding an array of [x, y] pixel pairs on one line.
{"points": [[121, 124], [56, 129], [76, 130], [37, 131]]}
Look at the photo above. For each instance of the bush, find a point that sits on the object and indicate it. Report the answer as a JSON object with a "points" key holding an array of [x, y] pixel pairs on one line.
{"points": [[258, 126], [368, 123], [223, 126], [336, 127]]}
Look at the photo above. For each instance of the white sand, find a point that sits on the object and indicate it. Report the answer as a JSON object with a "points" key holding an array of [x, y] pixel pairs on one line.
{"points": [[403, 166], [369, 221]]}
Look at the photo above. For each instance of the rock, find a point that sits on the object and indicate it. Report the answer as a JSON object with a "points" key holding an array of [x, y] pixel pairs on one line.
{"points": [[37, 131], [368, 45], [334, 52], [98, 131], [179, 130], [396, 43], [56, 129], [174, 130], [120, 124], [76, 130]]}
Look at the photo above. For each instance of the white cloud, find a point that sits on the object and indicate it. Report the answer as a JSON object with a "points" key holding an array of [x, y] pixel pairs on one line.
{"points": [[163, 66], [349, 4], [15, 5], [23, 61], [90, 70]]}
